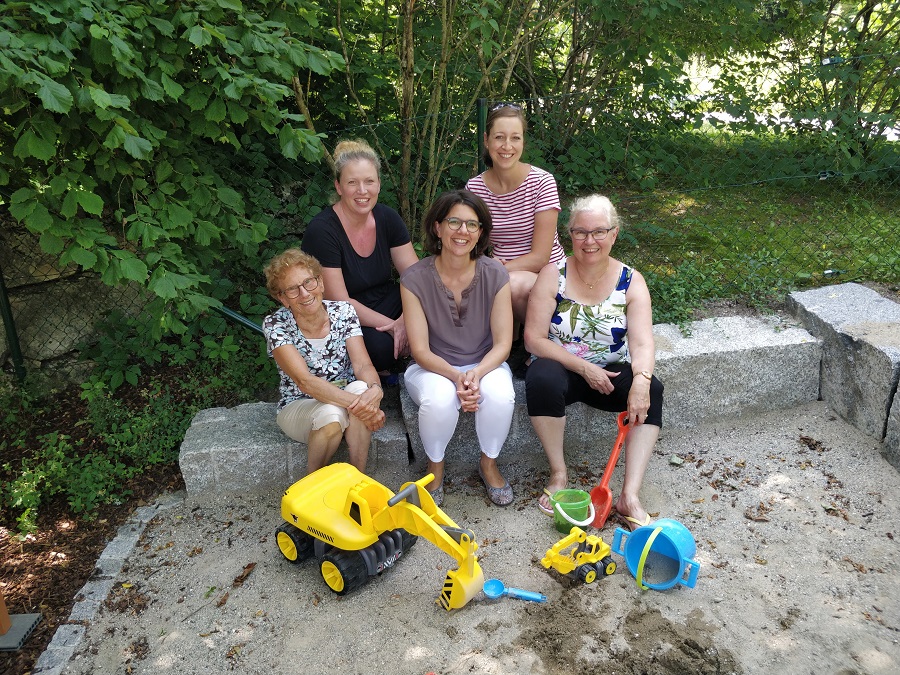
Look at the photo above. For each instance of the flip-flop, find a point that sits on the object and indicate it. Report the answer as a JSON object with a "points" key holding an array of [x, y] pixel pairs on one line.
{"points": [[545, 510], [633, 523]]}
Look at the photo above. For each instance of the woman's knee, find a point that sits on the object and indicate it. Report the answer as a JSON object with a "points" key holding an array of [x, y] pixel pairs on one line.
{"points": [[327, 432], [356, 387], [328, 415], [521, 282], [545, 384], [380, 347], [431, 391], [438, 401], [497, 388]]}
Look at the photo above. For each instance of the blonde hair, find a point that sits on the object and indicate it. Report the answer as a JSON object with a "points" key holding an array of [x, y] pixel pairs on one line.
{"points": [[594, 204], [349, 151], [282, 263]]}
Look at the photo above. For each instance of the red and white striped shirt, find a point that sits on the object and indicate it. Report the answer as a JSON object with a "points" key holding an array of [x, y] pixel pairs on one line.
{"points": [[513, 214]]}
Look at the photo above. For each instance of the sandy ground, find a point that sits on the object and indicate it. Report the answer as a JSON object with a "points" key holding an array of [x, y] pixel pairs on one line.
{"points": [[796, 517]]}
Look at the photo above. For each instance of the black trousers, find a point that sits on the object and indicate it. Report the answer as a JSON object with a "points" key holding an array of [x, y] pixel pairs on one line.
{"points": [[549, 388], [381, 345]]}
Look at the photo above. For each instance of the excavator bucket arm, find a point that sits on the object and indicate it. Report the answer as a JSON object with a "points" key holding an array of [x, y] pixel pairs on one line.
{"points": [[413, 510]]}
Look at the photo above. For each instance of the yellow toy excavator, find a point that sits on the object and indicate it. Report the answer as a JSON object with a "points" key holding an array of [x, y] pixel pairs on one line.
{"points": [[357, 528], [585, 555]]}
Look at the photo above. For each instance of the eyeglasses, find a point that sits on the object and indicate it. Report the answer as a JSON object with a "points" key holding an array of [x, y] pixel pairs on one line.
{"points": [[504, 104], [309, 285], [599, 234], [455, 224]]}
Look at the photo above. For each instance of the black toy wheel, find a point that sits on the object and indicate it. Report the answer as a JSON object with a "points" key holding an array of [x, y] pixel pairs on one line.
{"points": [[344, 571], [294, 544], [607, 566], [586, 574], [407, 540]]}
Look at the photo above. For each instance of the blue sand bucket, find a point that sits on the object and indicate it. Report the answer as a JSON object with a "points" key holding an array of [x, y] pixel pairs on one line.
{"points": [[571, 507], [659, 555]]}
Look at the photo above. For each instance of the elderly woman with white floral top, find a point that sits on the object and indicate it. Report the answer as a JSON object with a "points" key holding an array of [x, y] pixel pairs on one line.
{"points": [[590, 327], [329, 388]]}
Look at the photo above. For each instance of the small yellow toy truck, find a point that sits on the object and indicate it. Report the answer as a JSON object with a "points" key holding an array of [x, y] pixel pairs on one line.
{"points": [[357, 528], [584, 554]]}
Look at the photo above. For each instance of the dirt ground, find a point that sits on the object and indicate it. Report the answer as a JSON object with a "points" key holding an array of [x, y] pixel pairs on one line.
{"points": [[795, 515]]}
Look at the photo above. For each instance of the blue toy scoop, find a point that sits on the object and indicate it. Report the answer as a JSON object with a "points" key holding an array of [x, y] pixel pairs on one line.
{"points": [[494, 588]]}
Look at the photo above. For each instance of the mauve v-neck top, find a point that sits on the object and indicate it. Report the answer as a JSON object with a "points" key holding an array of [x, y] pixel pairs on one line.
{"points": [[460, 335]]}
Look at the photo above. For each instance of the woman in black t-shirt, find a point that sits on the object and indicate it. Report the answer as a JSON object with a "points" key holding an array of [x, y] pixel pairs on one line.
{"points": [[359, 242]]}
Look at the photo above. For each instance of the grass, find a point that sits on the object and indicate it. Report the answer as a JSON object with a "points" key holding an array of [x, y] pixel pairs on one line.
{"points": [[756, 243]]}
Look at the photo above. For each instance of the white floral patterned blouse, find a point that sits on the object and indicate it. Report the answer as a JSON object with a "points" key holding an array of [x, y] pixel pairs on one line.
{"points": [[596, 333], [331, 363]]}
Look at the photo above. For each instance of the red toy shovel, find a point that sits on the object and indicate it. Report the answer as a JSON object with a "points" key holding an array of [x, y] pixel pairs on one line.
{"points": [[601, 496]]}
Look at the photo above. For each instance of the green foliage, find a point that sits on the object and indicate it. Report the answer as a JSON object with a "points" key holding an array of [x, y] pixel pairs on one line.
{"points": [[85, 480], [138, 404], [135, 134], [824, 69]]}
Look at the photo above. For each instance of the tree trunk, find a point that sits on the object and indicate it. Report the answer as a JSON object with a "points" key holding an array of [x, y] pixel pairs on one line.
{"points": [[407, 81]]}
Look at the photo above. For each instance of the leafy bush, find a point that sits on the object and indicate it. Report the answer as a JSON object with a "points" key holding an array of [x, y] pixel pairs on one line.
{"points": [[135, 134], [137, 406], [86, 480]]}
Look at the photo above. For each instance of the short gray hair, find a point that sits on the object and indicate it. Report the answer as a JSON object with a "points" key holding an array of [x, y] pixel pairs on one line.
{"points": [[594, 204]]}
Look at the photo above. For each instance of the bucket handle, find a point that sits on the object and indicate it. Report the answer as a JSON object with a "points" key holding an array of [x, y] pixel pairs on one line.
{"points": [[619, 539], [640, 569], [579, 523], [692, 574]]}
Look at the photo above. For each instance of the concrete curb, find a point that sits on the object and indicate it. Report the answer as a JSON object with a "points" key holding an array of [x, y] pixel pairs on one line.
{"points": [[68, 636]]}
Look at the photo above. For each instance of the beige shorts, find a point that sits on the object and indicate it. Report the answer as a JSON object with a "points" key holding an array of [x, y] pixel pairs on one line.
{"points": [[298, 418]]}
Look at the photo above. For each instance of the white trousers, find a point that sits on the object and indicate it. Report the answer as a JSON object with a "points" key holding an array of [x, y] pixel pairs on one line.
{"points": [[439, 408]]}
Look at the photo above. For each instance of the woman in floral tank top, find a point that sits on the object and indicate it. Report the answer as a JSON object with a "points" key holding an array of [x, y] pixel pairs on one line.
{"points": [[590, 327]]}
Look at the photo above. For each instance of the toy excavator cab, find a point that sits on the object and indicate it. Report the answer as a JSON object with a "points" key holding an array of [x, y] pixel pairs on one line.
{"points": [[358, 528]]}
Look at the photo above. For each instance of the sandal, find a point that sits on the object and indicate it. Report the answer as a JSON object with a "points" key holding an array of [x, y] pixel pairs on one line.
{"points": [[500, 496], [545, 510], [632, 523], [437, 494]]}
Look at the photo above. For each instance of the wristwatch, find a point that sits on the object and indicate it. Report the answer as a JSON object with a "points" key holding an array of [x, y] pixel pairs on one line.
{"points": [[649, 376], [375, 384]]}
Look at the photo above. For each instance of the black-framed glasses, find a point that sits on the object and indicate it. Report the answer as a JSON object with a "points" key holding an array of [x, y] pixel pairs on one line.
{"points": [[455, 224], [599, 234], [504, 104], [310, 284]]}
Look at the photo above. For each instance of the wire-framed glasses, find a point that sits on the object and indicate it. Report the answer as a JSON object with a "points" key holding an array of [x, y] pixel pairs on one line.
{"points": [[599, 234], [310, 284], [455, 224]]}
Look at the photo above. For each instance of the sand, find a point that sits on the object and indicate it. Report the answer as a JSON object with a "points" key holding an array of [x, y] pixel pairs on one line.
{"points": [[795, 516]]}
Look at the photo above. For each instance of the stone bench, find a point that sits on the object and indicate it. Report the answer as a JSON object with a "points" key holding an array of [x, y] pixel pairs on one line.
{"points": [[847, 354], [725, 367], [860, 334], [242, 449]]}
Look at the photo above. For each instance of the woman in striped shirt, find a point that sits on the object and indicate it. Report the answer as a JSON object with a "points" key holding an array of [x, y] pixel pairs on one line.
{"points": [[524, 204]]}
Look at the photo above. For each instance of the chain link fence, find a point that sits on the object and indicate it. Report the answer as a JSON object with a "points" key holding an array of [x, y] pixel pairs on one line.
{"points": [[716, 202], [49, 310]]}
